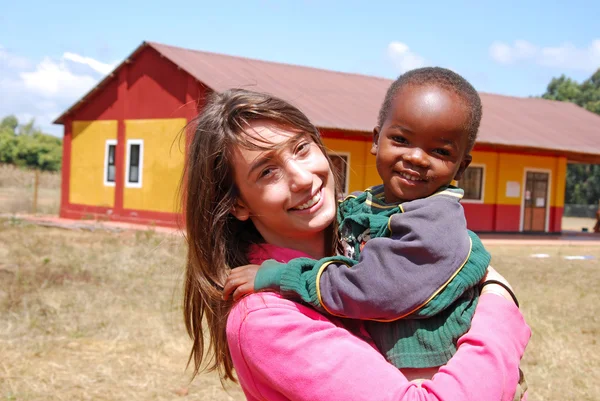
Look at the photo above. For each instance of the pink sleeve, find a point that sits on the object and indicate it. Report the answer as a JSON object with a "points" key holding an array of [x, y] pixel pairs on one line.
{"points": [[282, 352]]}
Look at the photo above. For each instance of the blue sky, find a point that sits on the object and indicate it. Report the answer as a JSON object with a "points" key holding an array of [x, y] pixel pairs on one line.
{"points": [[51, 53]]}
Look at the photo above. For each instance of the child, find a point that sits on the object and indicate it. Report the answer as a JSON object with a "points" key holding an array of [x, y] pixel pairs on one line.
{"points": [[408, 264]]}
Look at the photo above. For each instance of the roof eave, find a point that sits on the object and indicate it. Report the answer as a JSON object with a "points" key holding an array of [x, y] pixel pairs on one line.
{"points": [[571, 155], [60, 119]]}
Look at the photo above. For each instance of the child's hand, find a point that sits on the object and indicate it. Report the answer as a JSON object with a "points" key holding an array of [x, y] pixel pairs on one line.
{"points": [[240, 282]]}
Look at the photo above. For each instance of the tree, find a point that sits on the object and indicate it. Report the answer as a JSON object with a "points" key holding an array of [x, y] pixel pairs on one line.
{"points": [[583, 181], [563, 89], [27, 146], [10, 123]]}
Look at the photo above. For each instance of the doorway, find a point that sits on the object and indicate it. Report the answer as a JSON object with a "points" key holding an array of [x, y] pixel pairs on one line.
{"points": [[535, 201]]}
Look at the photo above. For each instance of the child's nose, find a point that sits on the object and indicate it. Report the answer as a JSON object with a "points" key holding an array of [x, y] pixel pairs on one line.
{"points": [[418, 157]]}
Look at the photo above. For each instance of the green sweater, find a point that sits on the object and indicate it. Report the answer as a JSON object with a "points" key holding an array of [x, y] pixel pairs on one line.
{"points": [[410, 270]]}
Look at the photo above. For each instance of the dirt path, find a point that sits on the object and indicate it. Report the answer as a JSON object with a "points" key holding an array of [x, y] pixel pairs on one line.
{"points": [[574, 238]]}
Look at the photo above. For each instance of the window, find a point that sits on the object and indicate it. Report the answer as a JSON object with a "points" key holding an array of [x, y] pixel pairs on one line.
{"points": [[341, 163], [109, 162], [135, 163], [473, 182]]}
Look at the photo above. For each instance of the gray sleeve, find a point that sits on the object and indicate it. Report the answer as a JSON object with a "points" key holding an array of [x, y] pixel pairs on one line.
{"points": [[396, 276]]}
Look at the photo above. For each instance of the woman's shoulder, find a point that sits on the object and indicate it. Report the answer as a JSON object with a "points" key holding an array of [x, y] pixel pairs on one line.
{"points": [[263, 304], [266, 309]]}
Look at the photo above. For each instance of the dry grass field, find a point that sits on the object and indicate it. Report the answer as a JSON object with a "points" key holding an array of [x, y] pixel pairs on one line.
{"points": [[96, 316]]}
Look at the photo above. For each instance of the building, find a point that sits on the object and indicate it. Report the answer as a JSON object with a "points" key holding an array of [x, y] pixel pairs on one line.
{"points": [[123, 150]]}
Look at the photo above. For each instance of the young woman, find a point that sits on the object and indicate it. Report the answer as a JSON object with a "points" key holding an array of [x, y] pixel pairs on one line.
{"points": [[260, 186]]}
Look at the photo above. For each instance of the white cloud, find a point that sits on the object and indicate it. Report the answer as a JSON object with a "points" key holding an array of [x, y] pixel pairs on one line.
{"points": [[566, 56], [46, 89], [55, 80], [403, 57], [98, 66]]}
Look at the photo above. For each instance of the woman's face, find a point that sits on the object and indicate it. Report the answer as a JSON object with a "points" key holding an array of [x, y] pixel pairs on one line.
{"points": [[287, 191]]}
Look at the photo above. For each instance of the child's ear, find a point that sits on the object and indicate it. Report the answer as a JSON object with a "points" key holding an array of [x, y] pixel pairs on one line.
{"points": [[463, 166], [240, 211], [375, 140]]}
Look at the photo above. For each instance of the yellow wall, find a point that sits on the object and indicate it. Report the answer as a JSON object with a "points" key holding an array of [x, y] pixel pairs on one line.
{"points": [[490, 160], [88, 146], [362, 163], [500, 168], [163, 159], [504, 167], [560, 180]]}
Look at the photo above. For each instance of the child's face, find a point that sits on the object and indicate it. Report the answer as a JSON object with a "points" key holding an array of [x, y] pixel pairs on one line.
{"points": [[422, 144]]}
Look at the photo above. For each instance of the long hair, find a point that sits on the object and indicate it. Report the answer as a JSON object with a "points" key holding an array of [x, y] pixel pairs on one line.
{"points": [[217, 241]]}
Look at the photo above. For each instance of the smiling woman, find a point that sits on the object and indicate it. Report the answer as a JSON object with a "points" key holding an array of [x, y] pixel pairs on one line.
{"points": [[259, 186]]}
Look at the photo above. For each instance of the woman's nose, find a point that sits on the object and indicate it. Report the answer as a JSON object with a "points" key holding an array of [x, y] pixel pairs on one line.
{"points": [[299, 176]]}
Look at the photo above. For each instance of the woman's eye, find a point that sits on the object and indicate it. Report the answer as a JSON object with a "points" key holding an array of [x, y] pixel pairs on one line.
{"points": [[303, 148], [266, 172]]}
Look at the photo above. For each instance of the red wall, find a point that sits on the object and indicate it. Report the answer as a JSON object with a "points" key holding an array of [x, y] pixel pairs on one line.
{"points": [[504, 218]]}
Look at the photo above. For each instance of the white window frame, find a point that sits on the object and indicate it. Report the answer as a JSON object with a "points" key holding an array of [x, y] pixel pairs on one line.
{"points": [[483, 173], [109, 143], [138, 184], [548, 196], [347, 167]]}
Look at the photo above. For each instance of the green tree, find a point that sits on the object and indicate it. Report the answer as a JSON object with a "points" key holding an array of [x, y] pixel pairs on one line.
{"points": [[583, 180], [563, 89], [27, 146], [9, 122]]}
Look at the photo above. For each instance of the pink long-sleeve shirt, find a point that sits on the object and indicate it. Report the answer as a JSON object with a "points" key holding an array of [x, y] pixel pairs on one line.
{"points": [[283, 350]]}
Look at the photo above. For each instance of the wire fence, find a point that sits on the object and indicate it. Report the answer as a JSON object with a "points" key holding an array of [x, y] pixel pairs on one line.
{"points": [[581, 211]]}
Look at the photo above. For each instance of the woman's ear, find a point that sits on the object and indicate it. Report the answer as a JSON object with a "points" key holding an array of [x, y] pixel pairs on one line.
{"points": [[240, 211]]}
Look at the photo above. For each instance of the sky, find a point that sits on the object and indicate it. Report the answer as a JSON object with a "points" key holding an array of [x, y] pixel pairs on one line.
{"points": [[52, 53]]}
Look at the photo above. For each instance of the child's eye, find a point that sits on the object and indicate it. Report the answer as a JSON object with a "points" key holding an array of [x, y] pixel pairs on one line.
{"points": [[399, 139], [443, 152]]}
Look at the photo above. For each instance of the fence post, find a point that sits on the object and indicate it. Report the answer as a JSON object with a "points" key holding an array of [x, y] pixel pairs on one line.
{"points": [[36, 183]]}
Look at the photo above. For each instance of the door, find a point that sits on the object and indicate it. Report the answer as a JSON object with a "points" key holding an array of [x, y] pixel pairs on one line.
{"points": [[536, 201]]}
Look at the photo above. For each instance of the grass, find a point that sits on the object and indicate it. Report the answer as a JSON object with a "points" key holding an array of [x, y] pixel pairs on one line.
{"points": [[96, 316], [559, 299]]}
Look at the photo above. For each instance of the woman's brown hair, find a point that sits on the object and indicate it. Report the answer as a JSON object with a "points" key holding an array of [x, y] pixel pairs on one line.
{"points": [[217, 241]]}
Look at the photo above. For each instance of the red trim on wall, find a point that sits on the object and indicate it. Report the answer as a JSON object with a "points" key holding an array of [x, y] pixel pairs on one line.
{"points": [[517, 151], [480, 217], [507, 218], [347, 135], [121, 143], [555, 219], [66, 166]]}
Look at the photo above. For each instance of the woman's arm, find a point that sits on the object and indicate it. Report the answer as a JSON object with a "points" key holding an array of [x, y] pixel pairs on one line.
{"points": [[284, 350]]}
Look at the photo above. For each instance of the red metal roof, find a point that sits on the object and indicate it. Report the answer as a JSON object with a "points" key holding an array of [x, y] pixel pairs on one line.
{"points": [[351, 101]]}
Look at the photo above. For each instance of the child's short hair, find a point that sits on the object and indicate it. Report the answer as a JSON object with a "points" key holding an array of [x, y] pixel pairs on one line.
{"points": [[446, 79]]}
